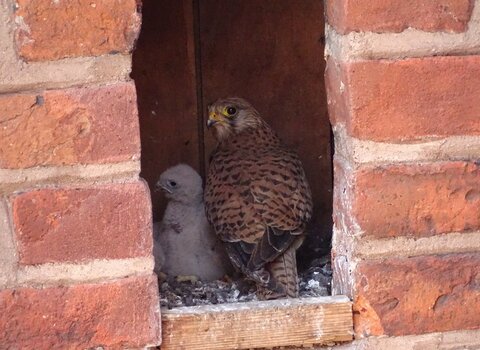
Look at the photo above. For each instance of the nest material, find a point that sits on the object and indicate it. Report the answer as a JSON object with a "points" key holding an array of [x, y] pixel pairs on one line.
{"points": [[189, 291]]}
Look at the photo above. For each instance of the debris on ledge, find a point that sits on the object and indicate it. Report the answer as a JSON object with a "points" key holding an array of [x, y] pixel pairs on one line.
{"points": [[189, 291]]}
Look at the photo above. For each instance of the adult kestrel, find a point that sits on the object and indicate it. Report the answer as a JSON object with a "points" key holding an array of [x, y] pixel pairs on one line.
{"points": [[256, 197]]}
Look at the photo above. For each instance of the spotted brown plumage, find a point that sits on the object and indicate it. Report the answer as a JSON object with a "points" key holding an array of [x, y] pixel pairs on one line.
{"points": [[257, 197]]}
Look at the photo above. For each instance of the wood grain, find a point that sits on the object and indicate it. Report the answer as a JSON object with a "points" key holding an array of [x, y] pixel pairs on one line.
{"points": [[164, 73], [260, 324]]}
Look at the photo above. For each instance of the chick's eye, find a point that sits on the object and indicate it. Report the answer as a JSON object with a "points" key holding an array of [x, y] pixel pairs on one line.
{"points": [[231, 110], [172, 183]]}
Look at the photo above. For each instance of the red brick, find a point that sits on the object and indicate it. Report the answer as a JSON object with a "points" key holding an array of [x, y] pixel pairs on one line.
{"points": [[406, 100], [418, 295], [79, 125], [121, 314], [395, 16], [75, 224], [52, 30], [409, 200]]}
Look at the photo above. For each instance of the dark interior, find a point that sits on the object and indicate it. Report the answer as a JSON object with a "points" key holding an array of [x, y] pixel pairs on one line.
{"points": [[269, 52]]}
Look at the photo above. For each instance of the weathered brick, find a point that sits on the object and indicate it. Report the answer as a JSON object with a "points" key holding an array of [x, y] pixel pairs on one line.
{"points": [[8, 259], [343, 198], [51, 30], [74, 224], [425, 294], [120, 314], [455, 340], [404, 100], [78, 125], [408, 200], [395, 16]]}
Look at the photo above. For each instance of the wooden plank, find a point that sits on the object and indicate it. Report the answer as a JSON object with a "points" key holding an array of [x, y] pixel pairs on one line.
{"points": [[259, 324], [164, 73], [271, 52]]}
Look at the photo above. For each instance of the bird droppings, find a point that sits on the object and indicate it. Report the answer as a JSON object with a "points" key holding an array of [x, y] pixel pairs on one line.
{"points": [[180, 291], [175, 293], [316, 280]]}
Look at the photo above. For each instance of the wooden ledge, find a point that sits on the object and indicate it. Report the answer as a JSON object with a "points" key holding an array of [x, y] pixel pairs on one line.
{"points": [[258, 324]]}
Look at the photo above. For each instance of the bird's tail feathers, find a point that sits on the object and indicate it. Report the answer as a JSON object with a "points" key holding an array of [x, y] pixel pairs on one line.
{"points": [[283, 277]]}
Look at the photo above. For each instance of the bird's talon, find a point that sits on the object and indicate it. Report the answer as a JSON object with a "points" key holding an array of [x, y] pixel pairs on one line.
{"points": [[185, 278]]}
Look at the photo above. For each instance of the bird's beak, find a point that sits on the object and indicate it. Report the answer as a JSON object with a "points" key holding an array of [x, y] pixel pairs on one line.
{"points": [[162, 187], [212, 119]]}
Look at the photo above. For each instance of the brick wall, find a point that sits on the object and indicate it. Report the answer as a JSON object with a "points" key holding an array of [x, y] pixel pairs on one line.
{"points": [[403, 80], [75, 218]]}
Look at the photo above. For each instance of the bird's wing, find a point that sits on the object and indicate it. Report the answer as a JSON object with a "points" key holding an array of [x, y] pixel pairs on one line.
{"points": [[228, 205], [261, 201], [281, 192]]}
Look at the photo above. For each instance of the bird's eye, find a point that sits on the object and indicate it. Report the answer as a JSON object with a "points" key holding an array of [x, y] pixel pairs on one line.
{"points": [[231, 111], [172, 183]]}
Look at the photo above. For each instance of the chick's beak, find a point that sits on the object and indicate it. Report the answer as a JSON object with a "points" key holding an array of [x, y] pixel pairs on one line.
{"points": [[212, 119], [159, 186]]}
